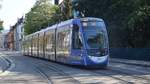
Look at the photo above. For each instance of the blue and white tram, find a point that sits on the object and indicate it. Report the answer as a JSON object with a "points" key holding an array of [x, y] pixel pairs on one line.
{"points": [[81, 41]]}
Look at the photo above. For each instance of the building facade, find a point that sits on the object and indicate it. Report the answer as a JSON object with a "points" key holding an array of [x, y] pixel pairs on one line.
{"points": [[10, 39], [13, 39], [18, 34], [3, 39]]}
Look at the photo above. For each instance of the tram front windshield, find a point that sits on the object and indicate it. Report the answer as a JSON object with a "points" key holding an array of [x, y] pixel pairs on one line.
{"points": [[95, 38]]}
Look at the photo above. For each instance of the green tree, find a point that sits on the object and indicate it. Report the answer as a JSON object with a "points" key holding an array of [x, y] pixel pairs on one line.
{"points": [[66, 10], [138, 25], [127, 20], [42, 14], [1, 26], [1, 22]]}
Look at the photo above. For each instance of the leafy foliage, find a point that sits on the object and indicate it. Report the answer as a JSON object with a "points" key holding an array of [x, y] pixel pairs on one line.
{"points": [[43, 14], [66, 10], [1, 26], [127, 20], [139, 30]]}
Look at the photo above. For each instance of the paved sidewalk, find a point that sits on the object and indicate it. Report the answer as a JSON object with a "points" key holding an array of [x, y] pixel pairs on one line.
{"points": [[132, 62]]}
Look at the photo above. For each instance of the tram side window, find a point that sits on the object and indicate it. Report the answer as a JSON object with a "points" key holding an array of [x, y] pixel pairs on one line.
{"points": [[24, 46], [75, 37], [41, 44], [63, 40], [50, 41]]}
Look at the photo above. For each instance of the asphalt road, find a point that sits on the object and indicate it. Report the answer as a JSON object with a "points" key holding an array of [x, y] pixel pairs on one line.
{"points": [[18, 69]]}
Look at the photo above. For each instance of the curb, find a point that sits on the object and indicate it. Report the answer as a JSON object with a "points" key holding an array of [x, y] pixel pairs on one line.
{"points": [[131, 62]]}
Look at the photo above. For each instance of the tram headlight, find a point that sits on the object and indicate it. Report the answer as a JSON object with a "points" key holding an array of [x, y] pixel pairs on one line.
{"points": [[85, 19], [85, 24]]}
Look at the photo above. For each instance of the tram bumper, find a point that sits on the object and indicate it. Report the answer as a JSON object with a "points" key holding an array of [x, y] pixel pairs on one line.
{"points": [[100, 62]]}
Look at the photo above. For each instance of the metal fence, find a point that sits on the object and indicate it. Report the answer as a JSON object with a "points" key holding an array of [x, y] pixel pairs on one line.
{"points": [[131, 53]]}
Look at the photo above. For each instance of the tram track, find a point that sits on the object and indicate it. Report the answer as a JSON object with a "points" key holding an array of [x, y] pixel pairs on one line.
{"points": [[64, 74], [110, 73], [61, 73], [130, 67], [134, 64], [2, 62], [107, 74], [51, 73], [44, 75], [8, 65], [78, 82], [54, 71], [136, 76], [112, 76], [123, 76], [129, 71], [24, 72]]}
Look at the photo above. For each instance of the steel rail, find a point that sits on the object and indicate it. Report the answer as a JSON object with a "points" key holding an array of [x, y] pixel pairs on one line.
{"points": [[122, 71], [44, 75], [61, 72], [8, 64]]}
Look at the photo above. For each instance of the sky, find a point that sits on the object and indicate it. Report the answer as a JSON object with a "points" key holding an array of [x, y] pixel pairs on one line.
{"points": [[13, 9]]}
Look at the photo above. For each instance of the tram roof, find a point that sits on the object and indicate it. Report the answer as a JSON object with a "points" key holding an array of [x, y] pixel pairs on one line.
{"points": [[71, 21]]}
